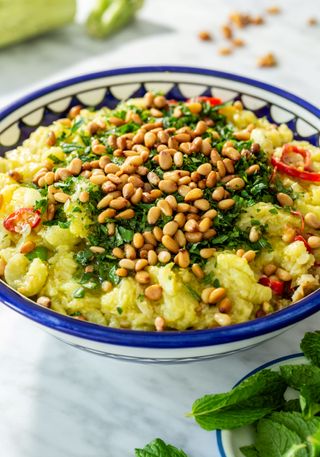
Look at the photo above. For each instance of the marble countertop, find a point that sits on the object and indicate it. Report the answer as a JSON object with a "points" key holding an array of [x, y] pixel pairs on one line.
{"points": [[56, 401]]}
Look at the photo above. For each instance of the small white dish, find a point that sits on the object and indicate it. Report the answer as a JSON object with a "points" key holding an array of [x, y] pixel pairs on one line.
{"points": [[230, 441]]}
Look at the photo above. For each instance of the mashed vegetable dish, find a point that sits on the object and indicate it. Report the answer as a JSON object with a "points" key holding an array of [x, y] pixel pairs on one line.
{"points": [[161, 215]]}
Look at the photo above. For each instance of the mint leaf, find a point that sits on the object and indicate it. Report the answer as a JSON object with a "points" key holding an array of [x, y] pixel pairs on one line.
{"points": [[314, 444], [296, 422], [310, 400], [310, 346], [298, 375], [40, 252], [228, 419], [126, 234], [274, 439], [249, 451], [255, 397], [158, 448]]}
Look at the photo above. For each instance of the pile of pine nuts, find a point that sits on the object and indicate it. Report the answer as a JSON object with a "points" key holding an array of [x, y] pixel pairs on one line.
{"points": [[128, 184]]}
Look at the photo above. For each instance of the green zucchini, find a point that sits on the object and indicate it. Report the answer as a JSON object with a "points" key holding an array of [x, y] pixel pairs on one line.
{"points": [[110, 15], [22, 19]]}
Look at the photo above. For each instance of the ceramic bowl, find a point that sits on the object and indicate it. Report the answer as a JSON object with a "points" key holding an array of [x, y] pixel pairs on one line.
{"points": [[107, 88], [230, 441]]}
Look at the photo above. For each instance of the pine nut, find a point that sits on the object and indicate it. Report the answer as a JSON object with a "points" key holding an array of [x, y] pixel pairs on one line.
{"points": [[111, 228], [127, 264], [226, 204], [205, 294], [172, 201], [97, 249], [153, 178], [142, 277], [205, 224], [229, 165], [99, 149], [168, 186], [118, 253], [249, 256], [269, 269], [150, 139], [180, 238], [225, 305], [98, 179], [284, 199], [138, 240], [312, 220], [119, 203], [164, 256], [27, 247], [182, 259], [106, 286], [106, 214], [240, 252], [165, 160], [49, 178], [216, 295], [314, 242], [254, 235], [218, 194], [84, 196], [236, 184], [209, 234], [222, 319], [51, 139], [61, 197], [152, 257], [191, 226], [126, 214], [170, 228], [164, 207], [193, 195], [137, 196], [44, 301], [111, 168], [194, 237], [197, 271], [150, 238], [178, 159], [211, 179], [122, 272], [253, 169], [169, 243], [130, 252], [153, 215], [231, 153], [180, 218], [211, 213], [206, 253], [283, 274]]}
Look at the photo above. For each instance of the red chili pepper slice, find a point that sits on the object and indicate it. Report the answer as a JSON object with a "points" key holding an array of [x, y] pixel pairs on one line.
{"points": [[172, 101], [304, 241], [213, 101], [290, 153], [276, 286], [281, 165], [17, 221]]}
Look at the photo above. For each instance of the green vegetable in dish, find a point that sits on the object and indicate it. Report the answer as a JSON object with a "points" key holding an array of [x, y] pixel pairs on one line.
{"points": [[110, 15], [159, 448], [283, 428], [22, 19]]}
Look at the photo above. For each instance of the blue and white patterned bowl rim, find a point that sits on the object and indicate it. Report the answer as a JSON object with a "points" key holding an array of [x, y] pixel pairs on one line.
{"points": [[147, 339], [269, 364]]}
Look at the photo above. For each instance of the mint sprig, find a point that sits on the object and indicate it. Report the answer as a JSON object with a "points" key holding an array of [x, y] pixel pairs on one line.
{"points": [[158, 448]]}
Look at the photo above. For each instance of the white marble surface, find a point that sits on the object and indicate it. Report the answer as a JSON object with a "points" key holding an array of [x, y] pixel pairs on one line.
{"points": [[56, 401]]}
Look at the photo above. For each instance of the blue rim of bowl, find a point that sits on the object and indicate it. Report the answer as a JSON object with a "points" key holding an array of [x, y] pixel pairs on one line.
{"points": [[261, 367], [148, 339]]}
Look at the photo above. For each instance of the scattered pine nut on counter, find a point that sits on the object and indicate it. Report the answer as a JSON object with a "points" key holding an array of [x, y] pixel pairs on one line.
{"points": [[162, 214]]}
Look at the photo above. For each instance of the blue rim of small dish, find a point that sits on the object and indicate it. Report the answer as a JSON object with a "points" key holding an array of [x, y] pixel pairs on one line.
{"points": [[147, 339], [261, 367]]}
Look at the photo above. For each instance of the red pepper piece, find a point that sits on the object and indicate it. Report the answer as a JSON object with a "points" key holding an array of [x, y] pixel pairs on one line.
{"points": [[17, 220]]}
